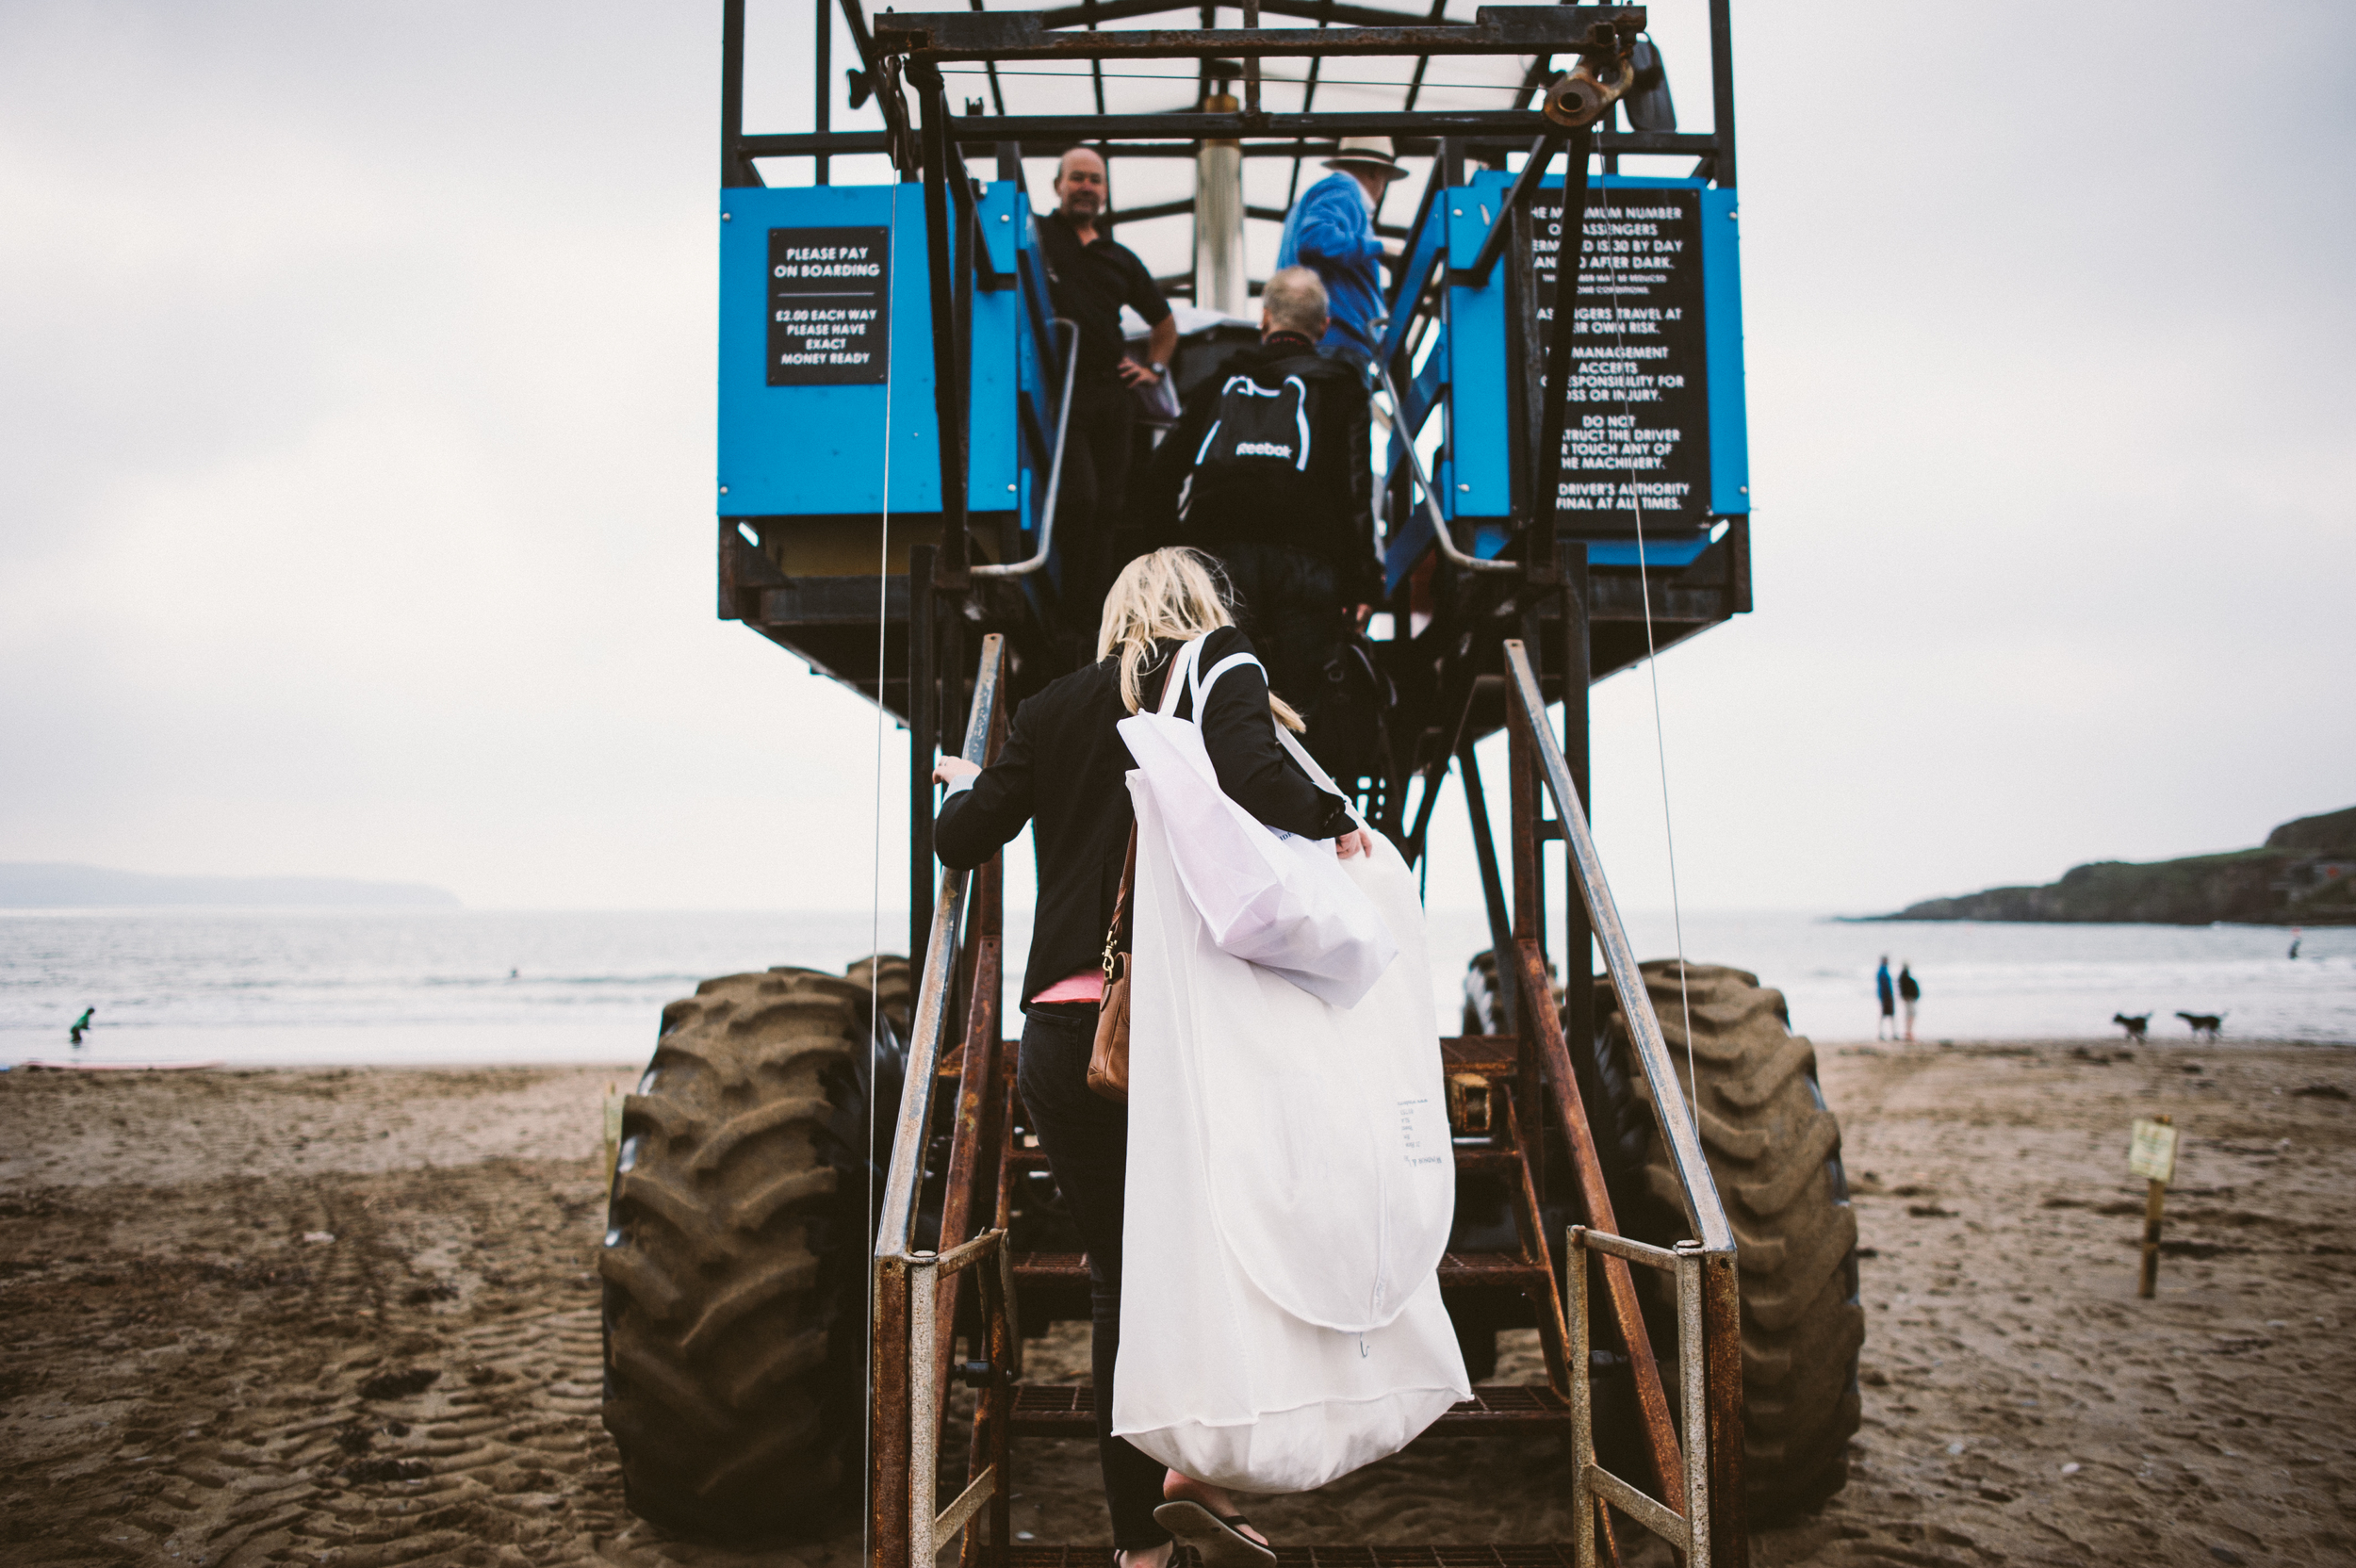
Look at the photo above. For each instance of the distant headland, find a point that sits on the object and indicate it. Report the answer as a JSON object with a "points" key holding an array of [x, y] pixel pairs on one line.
{"points": [[2304, 875], [56, 886]]}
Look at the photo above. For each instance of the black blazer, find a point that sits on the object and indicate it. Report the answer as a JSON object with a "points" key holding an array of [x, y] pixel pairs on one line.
{"points": [[1062, 771]]}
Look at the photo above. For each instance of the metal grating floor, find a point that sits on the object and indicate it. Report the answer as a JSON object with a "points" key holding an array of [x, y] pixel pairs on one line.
{"points": [[1548, 1556], [1053, 1410]]}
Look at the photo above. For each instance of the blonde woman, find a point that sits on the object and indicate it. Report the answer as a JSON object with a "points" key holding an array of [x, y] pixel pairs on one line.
{"points": [[1062, 772]]}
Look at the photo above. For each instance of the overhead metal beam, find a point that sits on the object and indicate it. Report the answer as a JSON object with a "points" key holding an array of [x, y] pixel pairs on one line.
{"points": [[1003, 36], [987, 130]]}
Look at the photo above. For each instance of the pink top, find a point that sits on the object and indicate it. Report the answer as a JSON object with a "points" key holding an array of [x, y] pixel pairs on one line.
{"points": [[1085, 986]]}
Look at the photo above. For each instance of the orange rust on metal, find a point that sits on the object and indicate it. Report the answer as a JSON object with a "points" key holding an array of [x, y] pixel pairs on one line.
{"points": [[1528, 1218], [888, 1418], [1652, 1402], [1521, 774], [1608, 1533], [970, 1155], [1722, 1350]]}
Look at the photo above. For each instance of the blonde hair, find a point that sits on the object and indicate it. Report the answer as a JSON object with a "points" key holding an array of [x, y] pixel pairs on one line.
{"points": [[1176, 594]]}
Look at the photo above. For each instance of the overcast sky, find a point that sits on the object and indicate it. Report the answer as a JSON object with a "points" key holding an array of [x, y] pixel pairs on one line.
{"points": [[357, 432]]}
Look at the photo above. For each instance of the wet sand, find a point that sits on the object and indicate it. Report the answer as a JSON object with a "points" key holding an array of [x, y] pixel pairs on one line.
{"points": [[191, 1373]]}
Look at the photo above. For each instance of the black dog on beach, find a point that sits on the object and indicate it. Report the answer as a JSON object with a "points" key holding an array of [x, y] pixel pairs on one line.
{"points": [[2203, 1025], [2134, 1027]]}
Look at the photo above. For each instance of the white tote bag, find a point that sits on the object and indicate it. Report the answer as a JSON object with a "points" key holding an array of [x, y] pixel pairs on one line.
{"points": [[1290, 1190], [1273, 899]]}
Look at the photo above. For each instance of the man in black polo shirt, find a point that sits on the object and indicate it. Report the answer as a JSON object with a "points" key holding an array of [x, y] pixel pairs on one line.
{"points": [[1091, 277]]}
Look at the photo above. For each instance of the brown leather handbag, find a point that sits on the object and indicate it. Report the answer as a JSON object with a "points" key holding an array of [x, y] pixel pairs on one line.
{"points": [[1108, 1063]]}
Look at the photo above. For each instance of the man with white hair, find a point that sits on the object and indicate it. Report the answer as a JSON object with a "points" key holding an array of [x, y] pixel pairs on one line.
{"points": [[1330, 229], [1270, 470]]}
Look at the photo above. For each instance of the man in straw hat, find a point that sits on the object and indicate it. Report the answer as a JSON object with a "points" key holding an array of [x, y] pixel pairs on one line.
{"points": [[1331, 231]]}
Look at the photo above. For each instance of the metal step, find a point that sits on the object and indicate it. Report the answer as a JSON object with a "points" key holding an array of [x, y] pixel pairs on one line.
{"points": [[1469, 1156], [1490, 1053], [1068, 1410], [1457, 1270], [1544, 1556]]}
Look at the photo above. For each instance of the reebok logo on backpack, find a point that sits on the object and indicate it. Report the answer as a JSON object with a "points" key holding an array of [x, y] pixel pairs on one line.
{"points": [[1251, 468]]}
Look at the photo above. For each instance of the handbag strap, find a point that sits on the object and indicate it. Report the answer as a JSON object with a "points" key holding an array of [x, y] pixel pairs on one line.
{"points": [[1117, 935]]}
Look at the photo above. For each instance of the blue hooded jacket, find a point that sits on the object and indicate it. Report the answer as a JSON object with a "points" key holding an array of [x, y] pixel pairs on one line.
{"points": [[1329, 232]]}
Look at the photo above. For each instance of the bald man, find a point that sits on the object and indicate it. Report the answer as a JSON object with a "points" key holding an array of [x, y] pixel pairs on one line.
{"points": [[1090, 276], [1297, 536]]}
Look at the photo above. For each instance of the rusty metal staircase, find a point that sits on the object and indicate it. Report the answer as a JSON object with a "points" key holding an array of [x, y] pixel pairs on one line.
{"points": [[1524, 1086]]}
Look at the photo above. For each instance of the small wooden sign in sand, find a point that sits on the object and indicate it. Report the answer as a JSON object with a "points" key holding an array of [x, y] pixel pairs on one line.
{"points": [[2152, 1155]]}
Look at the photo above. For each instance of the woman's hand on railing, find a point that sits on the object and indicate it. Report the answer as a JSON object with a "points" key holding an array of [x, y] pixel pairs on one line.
{"points": [[951, 768], [1356, 841]]}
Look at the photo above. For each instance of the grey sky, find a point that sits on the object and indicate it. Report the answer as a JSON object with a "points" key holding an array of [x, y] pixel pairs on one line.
{"points": [[355, 433]]}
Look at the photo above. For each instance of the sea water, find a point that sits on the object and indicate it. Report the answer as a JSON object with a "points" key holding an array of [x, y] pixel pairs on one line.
{"points": [[252, 987]]}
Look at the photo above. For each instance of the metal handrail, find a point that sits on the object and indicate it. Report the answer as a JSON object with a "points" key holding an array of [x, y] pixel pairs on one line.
{"points": [[1432, 502], [895, 1230], [1688, 1530], [1055, 471], [1679, 1133]]}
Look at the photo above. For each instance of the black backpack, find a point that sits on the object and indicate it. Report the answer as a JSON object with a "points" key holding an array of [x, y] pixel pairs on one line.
{"points": [[1250, 469]]}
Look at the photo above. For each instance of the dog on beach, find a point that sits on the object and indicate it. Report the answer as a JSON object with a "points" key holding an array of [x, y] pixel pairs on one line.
{"points": [[2203, 1025], [2134, 1027]]}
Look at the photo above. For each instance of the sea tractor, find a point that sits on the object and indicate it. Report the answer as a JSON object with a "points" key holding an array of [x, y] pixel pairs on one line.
{"points": [[832, 1230]]}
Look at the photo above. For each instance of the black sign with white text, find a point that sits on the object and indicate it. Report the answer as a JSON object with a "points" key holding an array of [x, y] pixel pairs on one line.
{"points": [[829, 305], [1636, 428]]}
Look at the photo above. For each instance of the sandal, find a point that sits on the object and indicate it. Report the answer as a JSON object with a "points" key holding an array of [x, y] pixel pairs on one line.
{"points": [[1217, 1540]]}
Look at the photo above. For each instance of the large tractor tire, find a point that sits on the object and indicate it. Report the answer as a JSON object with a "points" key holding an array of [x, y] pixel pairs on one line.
{"points": [[1773, 1149], [735, 1256]]}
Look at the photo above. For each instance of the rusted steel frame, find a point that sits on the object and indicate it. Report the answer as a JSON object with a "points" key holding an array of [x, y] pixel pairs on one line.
{"points": [[1492, 881], [949, 297], [1545, 499], [924, 1415], [1121, 10], [1595, 1198], [970, 1155], [1542, 152], [735, 169], [997, 1410], [1702, 1207], [943, 36], [891, 1436], [1722, 1351], [902, 1177], [1530, 1219], [1582, 1405], [1692, 1380], [1619, 1245], [926, 1405], [1689, 1532], [1233, 125], [883, 81], [1530, 1067]]}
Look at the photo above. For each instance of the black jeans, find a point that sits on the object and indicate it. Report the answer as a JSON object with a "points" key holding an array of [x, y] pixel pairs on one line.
{"points": [[1086, 1141], [1093, 503]]}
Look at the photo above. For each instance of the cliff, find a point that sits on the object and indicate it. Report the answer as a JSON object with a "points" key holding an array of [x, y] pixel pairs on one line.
{"points": [[2304, 875]]}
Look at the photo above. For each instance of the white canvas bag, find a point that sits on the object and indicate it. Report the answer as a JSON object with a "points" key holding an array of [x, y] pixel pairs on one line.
{"points": [[1290, 1190], [1277, 900]]}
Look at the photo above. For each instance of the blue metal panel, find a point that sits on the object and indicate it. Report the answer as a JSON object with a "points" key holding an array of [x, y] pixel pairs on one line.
{"points": [[1482, 481], [822, 450], [1722, 287], [1482, 355], [1658, 554]]}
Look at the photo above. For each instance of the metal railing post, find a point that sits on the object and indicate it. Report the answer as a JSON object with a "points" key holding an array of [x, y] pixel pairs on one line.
{"points": [[1583, 1400], [1692, 1377]]}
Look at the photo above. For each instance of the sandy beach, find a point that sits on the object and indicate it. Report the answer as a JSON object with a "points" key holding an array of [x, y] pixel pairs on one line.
{"points": [[348, 1317]]}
